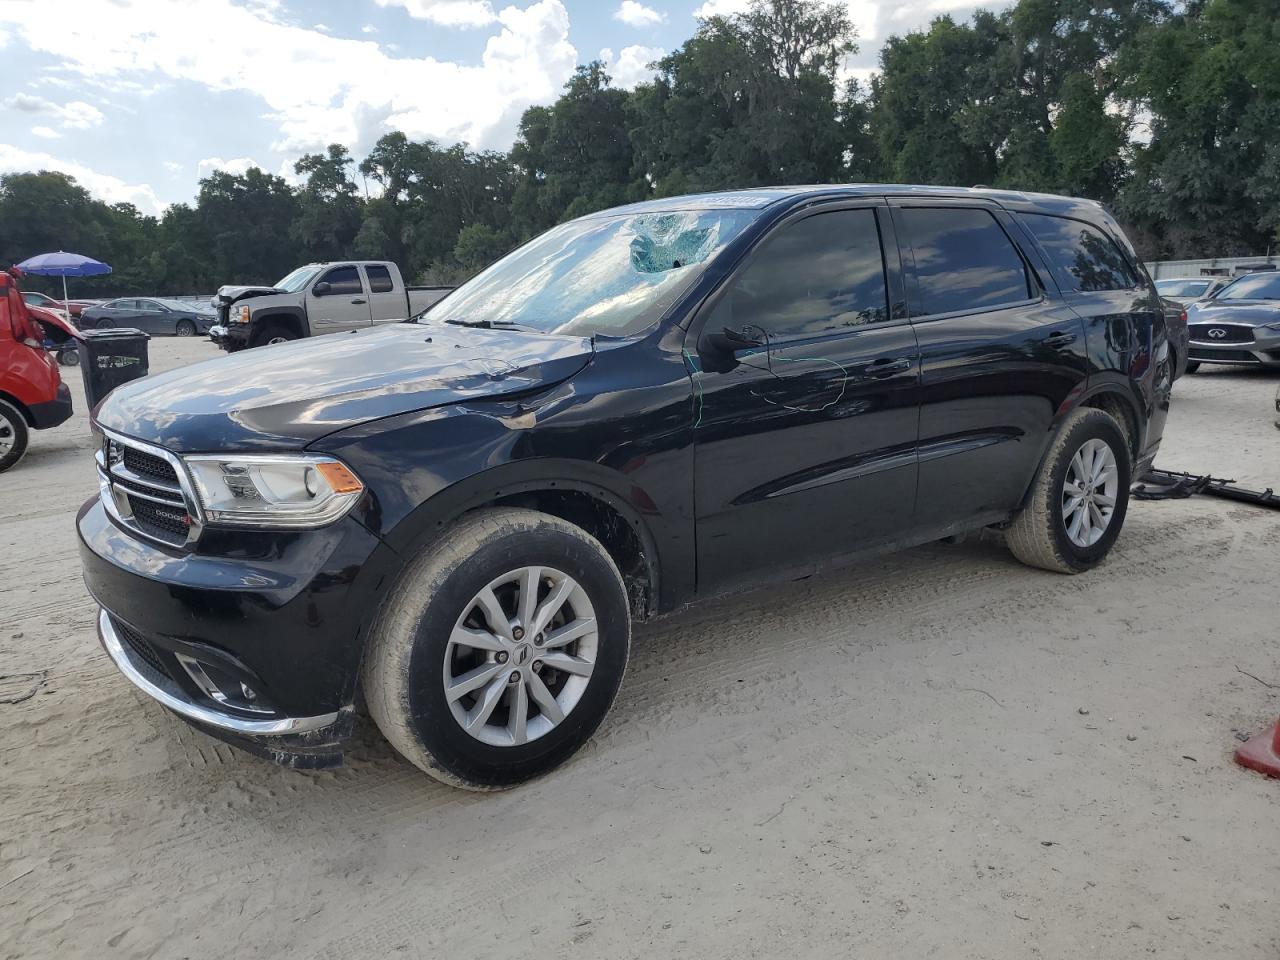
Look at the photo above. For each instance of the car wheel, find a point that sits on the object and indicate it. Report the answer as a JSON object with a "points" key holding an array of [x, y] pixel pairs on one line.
{"points": [[69, 357], [1192, 366], [13, 435], [500, 650], [185, 328], [105, 323], [1078, 501], [274, 333]]}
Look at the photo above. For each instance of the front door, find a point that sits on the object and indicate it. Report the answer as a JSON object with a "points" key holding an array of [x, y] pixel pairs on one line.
{"points": [[805, 446], [1000, 353], [338, 301]]}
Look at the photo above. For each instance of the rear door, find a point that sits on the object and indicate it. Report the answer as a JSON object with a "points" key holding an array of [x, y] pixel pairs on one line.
{"points": [[387, 304], [805, 444], [341, 304], [1000, 355], [152, 317]]}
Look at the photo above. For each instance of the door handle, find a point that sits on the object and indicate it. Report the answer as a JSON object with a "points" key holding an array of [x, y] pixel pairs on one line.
{"points": [[1060, 339], [358, 300], [887, 368]]}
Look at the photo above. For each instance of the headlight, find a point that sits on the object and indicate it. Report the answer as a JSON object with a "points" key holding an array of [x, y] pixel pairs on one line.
{"points": [[273, 490], [238, 314]]}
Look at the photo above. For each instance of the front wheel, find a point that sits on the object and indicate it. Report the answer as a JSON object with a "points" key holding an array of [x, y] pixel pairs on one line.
{"points": [[1078, 500], [500, 650], [13, 435], [185, 328]]}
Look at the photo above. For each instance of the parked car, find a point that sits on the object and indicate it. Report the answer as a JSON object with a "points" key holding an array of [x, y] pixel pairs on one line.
{"points": [[32, 394], [458, 519], [1175, 321], [156, 316], [1186, 290], [1241, 324], [72, 308], [315, 299]]}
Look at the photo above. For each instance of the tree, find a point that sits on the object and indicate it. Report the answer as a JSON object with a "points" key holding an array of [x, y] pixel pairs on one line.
{"points": [[329, 213]]}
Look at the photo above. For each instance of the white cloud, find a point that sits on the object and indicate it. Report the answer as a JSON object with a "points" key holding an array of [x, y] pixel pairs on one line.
{"points": [[76, 115], [48, 133], [638, 15], [101, 185], [447, 13], [721, 8], [323, 28], [368, 28], [173, 167], [319, 89], [631, 66], [237, 166]]}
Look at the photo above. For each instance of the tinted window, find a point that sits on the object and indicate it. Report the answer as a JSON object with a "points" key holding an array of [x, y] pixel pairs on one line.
{"points": [[379, 279], [149, 306], [1086, 259], [823, 273], [964, 260], [1182, 288], [343, 280], [1258, 286]]}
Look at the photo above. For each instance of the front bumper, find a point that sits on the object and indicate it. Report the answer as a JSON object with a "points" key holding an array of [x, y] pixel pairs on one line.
{"points": [[231, 336], [1263, 349], [52, 412], [282, 614]]}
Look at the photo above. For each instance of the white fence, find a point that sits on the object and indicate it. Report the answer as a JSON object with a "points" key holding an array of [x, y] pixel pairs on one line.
{"points": [[1215, 267]]}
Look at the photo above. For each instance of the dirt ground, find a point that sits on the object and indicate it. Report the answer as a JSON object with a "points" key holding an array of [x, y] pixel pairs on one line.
{"points": [[941, 754]]}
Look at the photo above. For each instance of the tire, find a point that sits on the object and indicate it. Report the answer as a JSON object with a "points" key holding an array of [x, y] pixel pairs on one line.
{"points": [[104, 323], [1041, 534], [14, 435], [185, 328], [273, 333], [412, 650], [1192, 366], [69, 357]]}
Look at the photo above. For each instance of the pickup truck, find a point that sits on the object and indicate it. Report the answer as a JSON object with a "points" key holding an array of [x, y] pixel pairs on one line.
{"points": [[315, 299]]}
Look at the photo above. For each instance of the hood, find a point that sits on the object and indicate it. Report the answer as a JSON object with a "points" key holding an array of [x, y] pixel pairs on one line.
{"points": [[1253, 313], [288, 395], [230, 294]]}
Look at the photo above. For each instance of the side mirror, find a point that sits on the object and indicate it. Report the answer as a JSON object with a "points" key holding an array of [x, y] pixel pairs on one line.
{"points": [[321, 289], [729, 340], [718, 350]]}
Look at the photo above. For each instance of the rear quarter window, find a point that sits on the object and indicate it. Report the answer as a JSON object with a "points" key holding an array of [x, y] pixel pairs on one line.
{"points": [[1084, 259]]}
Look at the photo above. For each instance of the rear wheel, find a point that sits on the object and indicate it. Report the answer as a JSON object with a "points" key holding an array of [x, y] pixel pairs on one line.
{"points": [[13, 435], [105, 323], [185, 328], [1079, 498], [500, 651]]}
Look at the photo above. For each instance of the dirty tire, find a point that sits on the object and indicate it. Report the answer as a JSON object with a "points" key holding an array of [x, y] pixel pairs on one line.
{"points": [[1038, 534], [403, 675], [13, 435], [274, 333]]}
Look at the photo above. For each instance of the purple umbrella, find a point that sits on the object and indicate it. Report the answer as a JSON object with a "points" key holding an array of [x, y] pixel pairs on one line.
{"points": [[63, 265]]}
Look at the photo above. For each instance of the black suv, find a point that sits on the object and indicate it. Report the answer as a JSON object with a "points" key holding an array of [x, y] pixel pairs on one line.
{"points": [[455, 521]]}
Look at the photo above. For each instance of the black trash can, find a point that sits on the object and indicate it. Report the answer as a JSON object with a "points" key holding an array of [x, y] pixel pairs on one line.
{"points": [[109, 358]]}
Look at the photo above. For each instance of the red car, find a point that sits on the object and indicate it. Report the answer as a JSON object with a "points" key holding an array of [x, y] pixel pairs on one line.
{"points": [[32, 394]]}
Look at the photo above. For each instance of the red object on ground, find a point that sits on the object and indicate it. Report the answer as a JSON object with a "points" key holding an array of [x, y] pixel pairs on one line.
{"points": [[1262, 752]]}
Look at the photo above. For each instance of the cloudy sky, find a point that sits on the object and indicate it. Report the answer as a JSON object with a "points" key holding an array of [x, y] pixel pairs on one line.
{"points": [[138, 99]]}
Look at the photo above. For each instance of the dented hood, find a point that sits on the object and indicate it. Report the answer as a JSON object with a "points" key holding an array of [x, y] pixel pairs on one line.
{"points": [[286, 396]]}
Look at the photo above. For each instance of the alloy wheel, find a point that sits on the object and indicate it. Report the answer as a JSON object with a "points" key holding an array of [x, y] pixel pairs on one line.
{"points": [[520, 656], [1089, 492]]}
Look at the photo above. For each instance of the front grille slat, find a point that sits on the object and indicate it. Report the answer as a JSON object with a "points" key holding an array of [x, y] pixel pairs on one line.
{"points": [[1221, 333], [148, 492], [1223, 356]]}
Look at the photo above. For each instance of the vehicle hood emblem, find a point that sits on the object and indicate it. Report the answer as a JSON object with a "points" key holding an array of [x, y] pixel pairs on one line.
{"points": [[1217, 333]]}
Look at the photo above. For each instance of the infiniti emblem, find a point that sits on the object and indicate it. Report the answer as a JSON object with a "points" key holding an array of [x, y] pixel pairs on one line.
{"points": [[1217, 333]]}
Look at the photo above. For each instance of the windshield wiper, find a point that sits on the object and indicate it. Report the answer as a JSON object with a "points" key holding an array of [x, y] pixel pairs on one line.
{"points": [[488, 324]]}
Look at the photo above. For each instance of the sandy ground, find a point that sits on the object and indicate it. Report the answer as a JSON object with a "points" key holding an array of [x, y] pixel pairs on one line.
{"points": [[943, 754]]}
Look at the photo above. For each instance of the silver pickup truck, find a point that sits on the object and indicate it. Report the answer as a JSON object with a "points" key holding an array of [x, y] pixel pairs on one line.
{"points": [[315, 299]]}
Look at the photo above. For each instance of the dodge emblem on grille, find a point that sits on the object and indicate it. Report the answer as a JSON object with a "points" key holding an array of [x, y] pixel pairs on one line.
{"points": [[1217, 333]]}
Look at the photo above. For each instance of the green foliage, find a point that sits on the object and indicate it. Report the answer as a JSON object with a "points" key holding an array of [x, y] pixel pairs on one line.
{"points": [[1171, 114]]}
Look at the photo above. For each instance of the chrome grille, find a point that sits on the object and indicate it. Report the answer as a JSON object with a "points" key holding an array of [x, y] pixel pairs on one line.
{"points": [[144, 488], [1220, 333]]}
